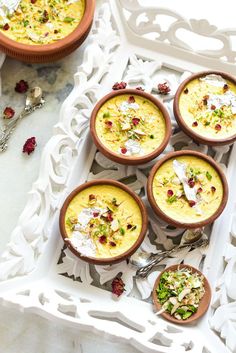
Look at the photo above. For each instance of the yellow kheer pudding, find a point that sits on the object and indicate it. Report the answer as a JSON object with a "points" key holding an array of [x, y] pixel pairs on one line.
{"points": [[103, 221], [208, 106], [130, 125], [187, 189], [41, 21]]}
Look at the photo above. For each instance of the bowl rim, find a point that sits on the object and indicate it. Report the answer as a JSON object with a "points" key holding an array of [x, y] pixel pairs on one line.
{"points": [[115, 259], [129, 159], [170, 220], [180, 120], [203, 305], [62, 44]]}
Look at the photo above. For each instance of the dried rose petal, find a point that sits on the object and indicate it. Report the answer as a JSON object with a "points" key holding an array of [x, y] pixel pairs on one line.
{"points": [[8, 113], [213, 107], [140, 88], [102, 239], [163, 88], [45, 17], [195, 123], [135, 121], [205, 99], [131, 99], [218, 127], [170, 193], [6, 27], [112, 243], [191, 182], [123, 150], [213, 189], [33, 1], [186, 90], [92, 197], [118, 286], [109, 216], [29, 145], [21, 86], [95, 214], [129, 226], [108, 124], [119, 85], [199, 190], [191, 203]]}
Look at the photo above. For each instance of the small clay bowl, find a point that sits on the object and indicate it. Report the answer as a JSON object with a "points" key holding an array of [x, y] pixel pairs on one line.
{"points": [[172, 221], [180, 119], [115, 259], [122, 159], [51, 52], [203, 305]]}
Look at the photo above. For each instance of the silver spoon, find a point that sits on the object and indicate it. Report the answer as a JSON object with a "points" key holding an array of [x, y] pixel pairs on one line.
{"points": [[34, 100], [191, 239]]}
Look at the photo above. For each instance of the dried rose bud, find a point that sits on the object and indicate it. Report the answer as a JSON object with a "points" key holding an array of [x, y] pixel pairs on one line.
{"points": [[163, 88], [186, 90], [170, 193], [92, 197], [29, 145], [191, 182], [8, 113], [112, 243], [218, 127], [195, 123], [226, 87], [213, 189], [123, 150], [6, 27], [199, 190], [118, 286], [108, 124], [205, 99], [135, 121], [102, 239], [131, 99], [191, 203], [21, 86], [95, 214], [119, 85], [213, 107], [129, 226], [140, 88]]}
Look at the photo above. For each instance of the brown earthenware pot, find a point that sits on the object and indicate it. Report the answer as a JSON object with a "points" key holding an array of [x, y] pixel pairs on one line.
{"points": [[203, 305], [166, 218], [180, 119], [54, 51], [129, 159], [115, 259]]}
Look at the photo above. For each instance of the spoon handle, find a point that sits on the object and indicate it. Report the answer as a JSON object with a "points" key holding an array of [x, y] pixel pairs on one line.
{"points": [[10, 127], [144, 271]]}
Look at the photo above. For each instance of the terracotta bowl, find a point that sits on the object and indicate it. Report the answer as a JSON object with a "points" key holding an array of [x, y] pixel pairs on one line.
{"points": [[115, 259], [172, 221], [203, 305], [180, 119], [50, 52], [129, 159]]}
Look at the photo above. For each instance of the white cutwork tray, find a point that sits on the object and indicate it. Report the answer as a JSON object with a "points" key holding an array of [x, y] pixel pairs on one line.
{"points": [[37, 274]]}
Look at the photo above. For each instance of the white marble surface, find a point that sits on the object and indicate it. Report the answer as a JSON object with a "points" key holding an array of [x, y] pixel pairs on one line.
{"points": [[20, 332]]}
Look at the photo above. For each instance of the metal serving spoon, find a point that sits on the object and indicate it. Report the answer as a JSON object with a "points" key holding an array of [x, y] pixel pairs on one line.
{"points": [[34, 100], [191, 239]]}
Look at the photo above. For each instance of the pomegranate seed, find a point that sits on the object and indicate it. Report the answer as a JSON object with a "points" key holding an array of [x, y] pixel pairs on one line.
{"points": [[112, 243], [95, 214], [170, 193], [108, 124], [195, 123], [102, 239], [6, 27], [218, 127], [33, 1], [213, 107], [191, 203], [123, 150]]}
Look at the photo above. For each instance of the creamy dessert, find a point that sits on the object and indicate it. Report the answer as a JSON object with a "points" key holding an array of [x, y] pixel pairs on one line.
{"points": [[103, 221], [130, 125], [208, 106], [187, 189], [41, 21]]}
